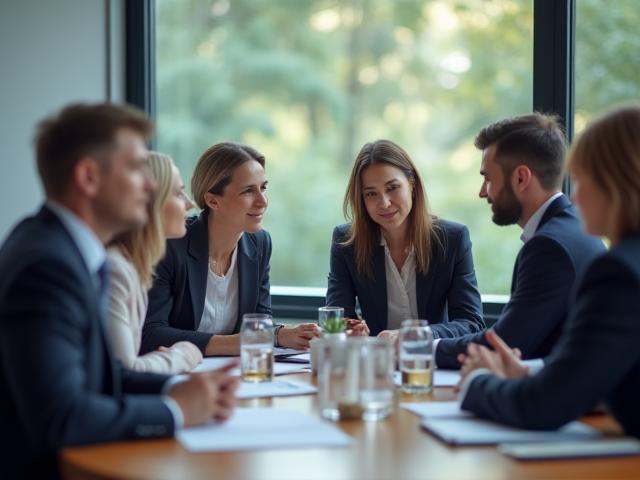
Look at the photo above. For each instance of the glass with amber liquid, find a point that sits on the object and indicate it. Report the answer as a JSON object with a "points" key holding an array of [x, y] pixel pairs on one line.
{"points": [[416, 356], [256, 348]]}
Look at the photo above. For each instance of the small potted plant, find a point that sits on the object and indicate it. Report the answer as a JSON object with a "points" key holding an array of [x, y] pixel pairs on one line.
{"points": [[334, 328]]}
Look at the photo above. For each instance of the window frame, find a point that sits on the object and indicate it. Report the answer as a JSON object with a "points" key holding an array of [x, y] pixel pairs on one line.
{"points": [[553, 92]]}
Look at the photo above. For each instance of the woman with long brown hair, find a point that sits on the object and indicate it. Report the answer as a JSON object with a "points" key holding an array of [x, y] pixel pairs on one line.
{"points": [[397, 259]]}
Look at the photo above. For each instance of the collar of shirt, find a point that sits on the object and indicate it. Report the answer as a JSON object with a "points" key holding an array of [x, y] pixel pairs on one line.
{"points": [[387, 253], [532, 225], [90, 246]]}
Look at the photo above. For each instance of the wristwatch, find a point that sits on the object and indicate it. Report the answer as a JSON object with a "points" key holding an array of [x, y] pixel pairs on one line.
{"points": [[276, 331]]}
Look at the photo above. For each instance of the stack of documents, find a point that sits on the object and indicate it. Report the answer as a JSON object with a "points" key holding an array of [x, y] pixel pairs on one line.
{"points": [[605, 447], [211, 363], [275, 388], [454, 426], [263, 428], [290, 355]]}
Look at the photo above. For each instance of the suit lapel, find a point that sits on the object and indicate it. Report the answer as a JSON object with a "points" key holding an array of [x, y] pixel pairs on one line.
{"points": [[97, 320], [248, 272], [424, 285], [378, 286], [558, 205], [198, 265]]}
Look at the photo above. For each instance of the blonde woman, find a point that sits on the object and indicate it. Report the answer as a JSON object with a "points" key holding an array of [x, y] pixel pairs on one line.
{"points": [[396, 259], [220, 270], [597, 356], [132, 257]]}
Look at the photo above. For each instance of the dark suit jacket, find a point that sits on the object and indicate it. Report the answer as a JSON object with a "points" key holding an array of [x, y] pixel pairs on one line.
{"points": [[59, 383], [176, 300], [447, 295], [545, 270], [597, 358]]}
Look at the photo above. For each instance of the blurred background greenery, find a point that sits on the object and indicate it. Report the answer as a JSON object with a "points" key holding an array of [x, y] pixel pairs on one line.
{"points": [[307, 82]]}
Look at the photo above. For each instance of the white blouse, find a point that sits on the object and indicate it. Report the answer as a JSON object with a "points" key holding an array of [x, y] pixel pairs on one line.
{"points": [[127, 310], [220, 311], [401, 289]]}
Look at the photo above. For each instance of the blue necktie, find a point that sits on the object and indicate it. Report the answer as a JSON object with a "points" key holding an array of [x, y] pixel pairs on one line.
{"points": [[103, 288]]}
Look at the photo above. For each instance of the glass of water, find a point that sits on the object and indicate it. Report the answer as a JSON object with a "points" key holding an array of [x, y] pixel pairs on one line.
{"points": [[256, 347], [416, 356], [355, 379]]}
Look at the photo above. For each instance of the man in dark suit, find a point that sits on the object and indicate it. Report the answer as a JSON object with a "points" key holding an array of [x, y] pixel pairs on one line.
{"points": [[60, 385], [596, 359], [522, 166]]}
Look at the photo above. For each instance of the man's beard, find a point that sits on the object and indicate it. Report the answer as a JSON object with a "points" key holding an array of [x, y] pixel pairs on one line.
{"points": [[506, 208]]}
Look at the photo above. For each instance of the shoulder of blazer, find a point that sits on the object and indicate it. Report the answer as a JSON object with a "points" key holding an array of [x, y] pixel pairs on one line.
{"points": [[449, 234], [338, 236], [627, 253], [39, 239], [340, 232], [256, 243]]}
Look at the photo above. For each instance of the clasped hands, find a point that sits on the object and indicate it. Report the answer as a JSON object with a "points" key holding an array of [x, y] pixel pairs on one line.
{"points": [[503, 361]]}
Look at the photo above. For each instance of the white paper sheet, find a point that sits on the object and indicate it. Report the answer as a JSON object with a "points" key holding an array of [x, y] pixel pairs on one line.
{"points": [[276, 388], [263, 428], [437, 409], [287, 351], [474, 431], [211, 363], [441, 378]]}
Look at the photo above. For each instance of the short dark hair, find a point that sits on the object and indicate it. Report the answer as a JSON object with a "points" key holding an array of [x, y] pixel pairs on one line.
{"points": [[535, 140], [79, 130]]}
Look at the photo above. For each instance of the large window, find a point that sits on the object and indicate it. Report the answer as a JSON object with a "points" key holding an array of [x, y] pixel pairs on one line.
{"points": [[307, 82], [607, 57]]}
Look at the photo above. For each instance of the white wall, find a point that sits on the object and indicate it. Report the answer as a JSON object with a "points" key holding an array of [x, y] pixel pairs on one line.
{"points": [[51, 53]]}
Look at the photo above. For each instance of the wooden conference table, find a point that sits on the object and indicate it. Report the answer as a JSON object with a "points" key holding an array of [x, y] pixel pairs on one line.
{"points": [[395, 449]]}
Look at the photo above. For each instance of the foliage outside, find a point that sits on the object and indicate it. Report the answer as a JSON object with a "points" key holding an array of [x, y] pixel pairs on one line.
{"points": [[307, 82]]}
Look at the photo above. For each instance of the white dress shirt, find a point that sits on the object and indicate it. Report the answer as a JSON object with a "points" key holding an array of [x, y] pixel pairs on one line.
{"points": [[220, 311], [401, 289], [531, 226]]}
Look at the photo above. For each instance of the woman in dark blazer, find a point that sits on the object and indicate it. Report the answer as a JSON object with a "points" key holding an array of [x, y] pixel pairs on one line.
{"points": [[396, 259], [597, 357], [220, 270]]}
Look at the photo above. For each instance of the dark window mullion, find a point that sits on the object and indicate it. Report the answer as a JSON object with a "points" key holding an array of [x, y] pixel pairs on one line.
{"points": [[140, 55], [553, 61]]}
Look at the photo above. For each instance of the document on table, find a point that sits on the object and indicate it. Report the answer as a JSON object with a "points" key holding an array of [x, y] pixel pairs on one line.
{"points": [[437, 409], [605, 447], [263, 428], [211, 363], [275, 388], [475, 431], [441, 378]]}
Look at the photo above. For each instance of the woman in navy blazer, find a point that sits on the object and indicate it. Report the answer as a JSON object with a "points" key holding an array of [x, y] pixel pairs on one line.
{"points": [[220, 270], [393, 235], [597, 357]]}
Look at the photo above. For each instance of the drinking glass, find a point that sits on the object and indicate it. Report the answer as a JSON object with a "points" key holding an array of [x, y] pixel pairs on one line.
{"points": [[416, 356], [256, 347], [355, 379], [329, 314]]}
